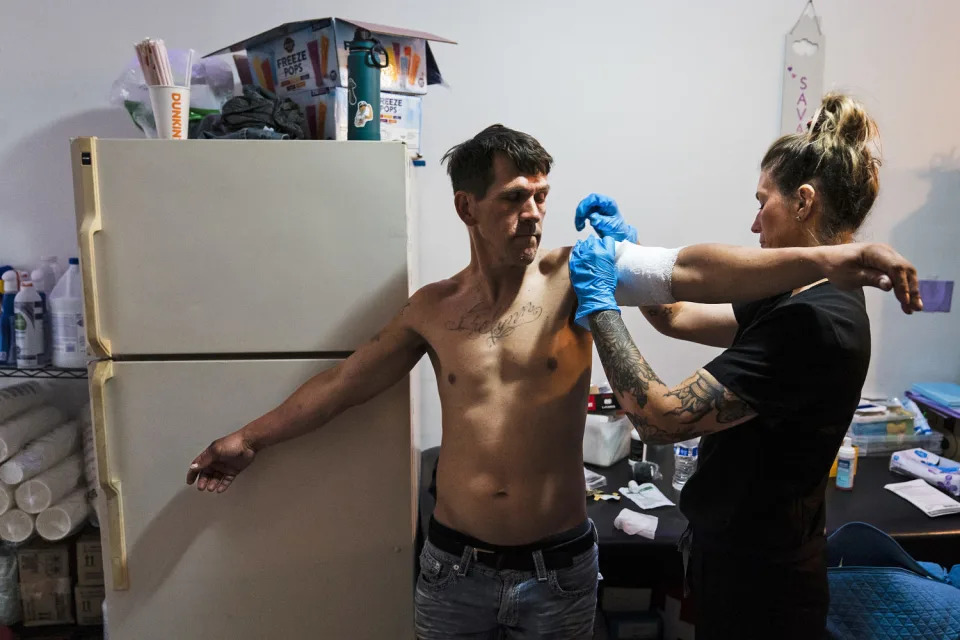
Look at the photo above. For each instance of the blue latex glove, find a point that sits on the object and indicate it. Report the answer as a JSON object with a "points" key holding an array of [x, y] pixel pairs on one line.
{"points": [[605, 218], [593, 273]]}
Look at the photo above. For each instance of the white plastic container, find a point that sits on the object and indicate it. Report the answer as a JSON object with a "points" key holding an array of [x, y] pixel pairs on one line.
{"points": [[44, 281], [66, 315], [54, 265], [28, 324], [846, 465]]}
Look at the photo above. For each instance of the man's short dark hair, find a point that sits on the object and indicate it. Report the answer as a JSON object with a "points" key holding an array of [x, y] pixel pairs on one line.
{"points": [[470, 163]]}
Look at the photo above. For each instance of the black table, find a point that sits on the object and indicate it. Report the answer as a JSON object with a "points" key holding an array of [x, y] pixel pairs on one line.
{"points": [[627, 560]]}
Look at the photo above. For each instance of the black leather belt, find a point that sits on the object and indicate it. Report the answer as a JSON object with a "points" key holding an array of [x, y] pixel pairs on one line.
{"points": [[555, 555]]}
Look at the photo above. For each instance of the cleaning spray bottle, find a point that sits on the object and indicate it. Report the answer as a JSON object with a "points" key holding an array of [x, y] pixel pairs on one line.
{"points": [[367, 57], [11, 286]]}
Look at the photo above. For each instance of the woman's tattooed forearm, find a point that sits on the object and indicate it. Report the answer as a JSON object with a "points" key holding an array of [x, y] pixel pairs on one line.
{"points": [[631, 376], [627, 371]]}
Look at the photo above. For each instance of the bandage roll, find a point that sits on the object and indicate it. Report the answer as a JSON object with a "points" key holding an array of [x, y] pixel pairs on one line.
{"points": [[27, 426], [16, 526], [39, 493], [19, 397], [644, 274], [41, 454], [65, 517]]}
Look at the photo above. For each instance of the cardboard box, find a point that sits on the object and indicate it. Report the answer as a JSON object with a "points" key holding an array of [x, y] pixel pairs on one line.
{"points": [[310, 54], [401, 116], [89, 561], [602, 403], [89, 602], [47, 602], [43, 562]]}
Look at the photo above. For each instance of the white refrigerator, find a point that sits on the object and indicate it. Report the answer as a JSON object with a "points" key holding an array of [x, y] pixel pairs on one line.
{"points": [[219, 276]]}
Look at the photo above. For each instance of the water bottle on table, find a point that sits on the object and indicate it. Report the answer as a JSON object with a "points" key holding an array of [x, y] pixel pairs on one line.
{"points": [[684, 461]]}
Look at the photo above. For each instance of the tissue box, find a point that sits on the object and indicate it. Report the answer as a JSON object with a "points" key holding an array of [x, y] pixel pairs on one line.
{"points": [[401, 116], [43, 562], [89, 602], [310, 54], [895, 420], [89, 561], [942, 473], [606, 439], [46, 602]]}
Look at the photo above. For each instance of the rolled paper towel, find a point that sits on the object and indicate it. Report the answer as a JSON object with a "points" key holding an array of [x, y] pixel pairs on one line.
{"points": [[7, 500], [41, 454], [19, 397], [16, 526], [30, 425], [39, 493], [65, 517]]}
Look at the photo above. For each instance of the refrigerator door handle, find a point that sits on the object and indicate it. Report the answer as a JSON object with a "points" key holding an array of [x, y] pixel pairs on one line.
{"points": [[87, 196], [102, 372]]}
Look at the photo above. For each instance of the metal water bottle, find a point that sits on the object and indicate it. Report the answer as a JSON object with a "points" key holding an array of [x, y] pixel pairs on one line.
{"points": [[367, 56]]}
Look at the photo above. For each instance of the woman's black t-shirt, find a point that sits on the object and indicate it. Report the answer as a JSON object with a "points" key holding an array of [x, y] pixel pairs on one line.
{"points": [[800, 362]]}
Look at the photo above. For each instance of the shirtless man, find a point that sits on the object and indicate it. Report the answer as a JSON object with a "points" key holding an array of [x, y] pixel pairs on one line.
{"points": [[510, 549]]}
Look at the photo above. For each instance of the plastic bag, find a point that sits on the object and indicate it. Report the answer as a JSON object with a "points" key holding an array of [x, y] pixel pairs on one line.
{"points": [[606, 439], [9, 586], [211, 84]]}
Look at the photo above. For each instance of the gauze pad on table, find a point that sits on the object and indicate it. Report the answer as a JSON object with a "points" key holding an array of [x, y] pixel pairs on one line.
{"points": [[637, 523]]}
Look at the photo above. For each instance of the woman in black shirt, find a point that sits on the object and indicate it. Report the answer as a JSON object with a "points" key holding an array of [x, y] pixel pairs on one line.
{"points": [[774, 406]]}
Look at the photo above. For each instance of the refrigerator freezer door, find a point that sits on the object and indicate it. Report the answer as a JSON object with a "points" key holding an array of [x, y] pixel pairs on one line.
{"points": [[314, 540], [243, 247]]}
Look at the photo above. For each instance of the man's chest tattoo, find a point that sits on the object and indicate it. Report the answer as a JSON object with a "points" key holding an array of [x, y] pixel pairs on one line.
{"points": [[481, 321]]}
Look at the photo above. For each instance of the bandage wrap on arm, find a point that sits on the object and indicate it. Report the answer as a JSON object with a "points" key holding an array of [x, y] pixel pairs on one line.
{"points": [[644, 274]]}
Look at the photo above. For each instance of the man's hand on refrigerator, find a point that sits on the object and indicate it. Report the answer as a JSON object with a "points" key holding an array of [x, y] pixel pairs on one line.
{"points": [[217, 466]]}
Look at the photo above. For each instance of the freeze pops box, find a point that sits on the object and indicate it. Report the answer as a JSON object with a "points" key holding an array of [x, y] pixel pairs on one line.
{"points": [[401, 117], [311, 54]]}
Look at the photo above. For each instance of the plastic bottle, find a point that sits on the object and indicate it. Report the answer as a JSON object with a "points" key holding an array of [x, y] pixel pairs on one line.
{"points": [[66, 316], [41, 278], [11, 286], [846, 465], [52, 263], [685, 461], [28, 324]]}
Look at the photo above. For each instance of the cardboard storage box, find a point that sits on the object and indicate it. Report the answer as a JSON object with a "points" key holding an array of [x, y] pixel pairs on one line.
{"points": [[310, 54], [401, 118], [43, 562], [89, 602], [89, 561], [47, 602]]}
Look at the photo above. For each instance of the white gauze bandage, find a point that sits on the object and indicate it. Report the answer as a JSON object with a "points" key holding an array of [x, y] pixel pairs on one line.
{"points": [[644, 274]]}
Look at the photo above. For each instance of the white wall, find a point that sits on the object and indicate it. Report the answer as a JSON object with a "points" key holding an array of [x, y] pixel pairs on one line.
{"points": [[667, 106]]}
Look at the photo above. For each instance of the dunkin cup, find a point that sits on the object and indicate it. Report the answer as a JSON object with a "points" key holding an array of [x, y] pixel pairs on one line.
{"points": [[171, 111]]}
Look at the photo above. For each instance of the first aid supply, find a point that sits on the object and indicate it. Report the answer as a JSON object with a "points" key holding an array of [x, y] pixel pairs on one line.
{"points": [[929, 467], [846, 465], [646, 495], [644, 274], [637, 524], [921, 495], [606, 439]]}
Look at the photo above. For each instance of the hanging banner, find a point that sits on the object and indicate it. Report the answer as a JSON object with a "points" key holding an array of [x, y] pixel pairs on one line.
{"points": [[803, 72]]}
